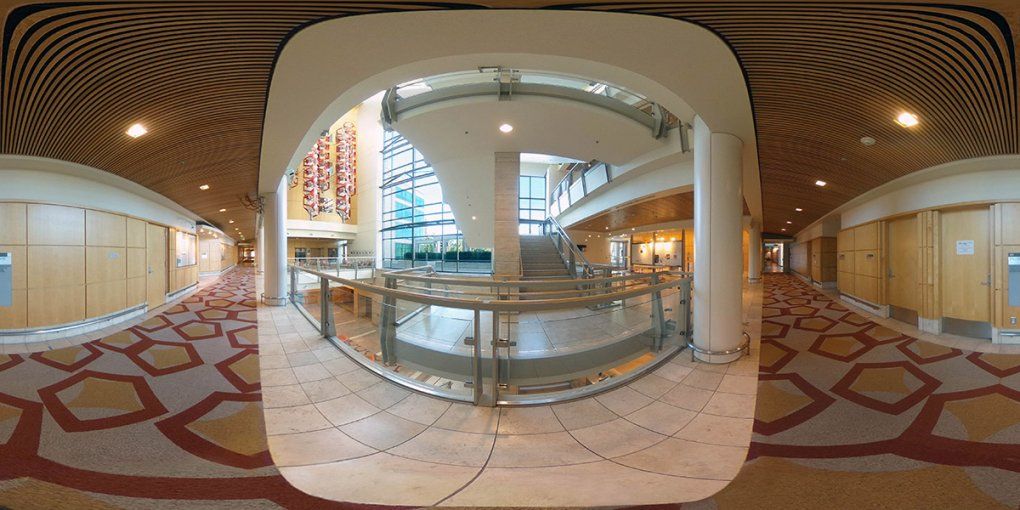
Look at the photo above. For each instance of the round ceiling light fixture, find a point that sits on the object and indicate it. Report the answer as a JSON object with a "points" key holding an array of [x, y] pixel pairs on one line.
{"points": [[506, 128], [136, 130], [907, 119], [868, 141]]}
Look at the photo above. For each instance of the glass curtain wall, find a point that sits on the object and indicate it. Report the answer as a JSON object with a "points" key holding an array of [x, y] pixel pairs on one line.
{"points": [[418, 228], [531, 205]]}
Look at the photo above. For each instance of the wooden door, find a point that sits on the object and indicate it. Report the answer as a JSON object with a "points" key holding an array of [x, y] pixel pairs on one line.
{"points": [[966, 267], [156, 265], [902, 256]]}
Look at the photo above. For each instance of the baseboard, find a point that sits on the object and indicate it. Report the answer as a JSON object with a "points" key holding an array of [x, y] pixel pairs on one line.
{"points": [[931, 325], [879, 310]]}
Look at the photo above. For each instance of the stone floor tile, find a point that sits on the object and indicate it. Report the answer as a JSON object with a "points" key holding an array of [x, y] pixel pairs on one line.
{"points": [[316, 447], [383, 394], [623, 401], [536, 450], [284, 396], [661, 417], [616, 438], [652, 385], [582, 413], [382, 430], [719, 430], [364, 480], [290, 420], [345, 409], [469, 418], [447, 447], [742, 384], [678, 457], [528, 420], [687, 397], [420, 408], [324, 389]]}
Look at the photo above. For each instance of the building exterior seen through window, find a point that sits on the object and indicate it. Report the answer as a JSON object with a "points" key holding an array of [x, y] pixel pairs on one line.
{"points": [[418, 227], [531, 204]]}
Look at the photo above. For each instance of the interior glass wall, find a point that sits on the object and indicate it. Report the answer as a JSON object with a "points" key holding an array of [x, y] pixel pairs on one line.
{"points": [[531, 204], [418, 228]]}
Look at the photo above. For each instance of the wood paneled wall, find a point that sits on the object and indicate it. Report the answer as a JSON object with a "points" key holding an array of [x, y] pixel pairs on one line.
{"points": [[823, 259], [800, 258], [1006, 238], [859, 262], [215, 255], [70, 264]]}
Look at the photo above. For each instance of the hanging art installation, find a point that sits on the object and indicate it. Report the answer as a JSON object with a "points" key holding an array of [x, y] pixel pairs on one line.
{"points": [[317, 172], [346, 168]]}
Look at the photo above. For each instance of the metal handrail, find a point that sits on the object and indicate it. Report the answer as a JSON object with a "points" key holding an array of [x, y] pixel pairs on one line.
{"points": [[531, 284], [500, 305], [572, 249]]}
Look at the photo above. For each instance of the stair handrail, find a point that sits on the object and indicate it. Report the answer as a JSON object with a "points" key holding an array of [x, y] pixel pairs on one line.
{"points": [[567, 248]]}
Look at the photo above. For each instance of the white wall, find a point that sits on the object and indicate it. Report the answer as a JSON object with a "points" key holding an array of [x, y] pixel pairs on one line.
{"points": [[370, 141], [32, 179], [298, 108]]}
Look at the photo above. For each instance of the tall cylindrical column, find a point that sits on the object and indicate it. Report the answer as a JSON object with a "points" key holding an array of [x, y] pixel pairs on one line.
{"points": [[718, 250], [275, 249], [260, 252], [754, 253]]}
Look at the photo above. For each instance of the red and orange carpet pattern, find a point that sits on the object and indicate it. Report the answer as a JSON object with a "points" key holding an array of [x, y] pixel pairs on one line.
{"points": [[167, 414], [852, 414]]}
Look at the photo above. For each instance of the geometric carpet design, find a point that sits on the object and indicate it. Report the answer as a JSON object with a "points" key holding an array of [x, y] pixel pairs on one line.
{"points": [[851, 414], [166, 414]]}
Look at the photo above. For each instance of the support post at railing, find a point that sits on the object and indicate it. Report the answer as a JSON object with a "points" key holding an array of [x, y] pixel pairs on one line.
{"points": [[658, 316], [327, 325], [683, 319], [573, 264], [388, 324], [476, 360], [293, 284], [495, 357]]}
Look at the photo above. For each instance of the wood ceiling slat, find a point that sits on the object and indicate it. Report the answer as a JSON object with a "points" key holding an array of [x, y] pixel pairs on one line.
{"points": [[820, 75]]}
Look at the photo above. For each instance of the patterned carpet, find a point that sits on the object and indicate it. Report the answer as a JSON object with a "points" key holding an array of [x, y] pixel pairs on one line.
{"points": [[167, 414], [852, 414]]}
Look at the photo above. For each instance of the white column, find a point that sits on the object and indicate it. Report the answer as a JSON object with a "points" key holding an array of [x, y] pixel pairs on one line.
{"points": [[260, 253], [506, 255], [718, 250], [754, 253], [275, 249]]}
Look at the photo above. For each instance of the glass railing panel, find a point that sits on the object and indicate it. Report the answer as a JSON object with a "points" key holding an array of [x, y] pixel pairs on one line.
{"points": [[553, 354], [595, 177]]}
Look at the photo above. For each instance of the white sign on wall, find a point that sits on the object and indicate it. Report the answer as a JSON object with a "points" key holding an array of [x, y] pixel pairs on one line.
{"points": [[965, 247]]}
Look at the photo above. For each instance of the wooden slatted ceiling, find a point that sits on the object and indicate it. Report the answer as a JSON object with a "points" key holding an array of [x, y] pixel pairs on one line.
{"points": [[821, 76], [675, 207]]}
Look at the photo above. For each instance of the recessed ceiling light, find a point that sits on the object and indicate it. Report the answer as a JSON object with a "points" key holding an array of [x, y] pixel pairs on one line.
{"points": [[789, 223], [223, 210], [783, 229], [203, 187], [867, 140], [474, 217], [798, 209], [907, 119], [136, 130], [820, 183], [231, 221], [506, 128], [632, 228]]}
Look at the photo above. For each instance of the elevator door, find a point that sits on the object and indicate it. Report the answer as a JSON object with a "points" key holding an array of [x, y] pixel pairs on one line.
{"points": [[966, 269], [902, 274], [156, 267]]}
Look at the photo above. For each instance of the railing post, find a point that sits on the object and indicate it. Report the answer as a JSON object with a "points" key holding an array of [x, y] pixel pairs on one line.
{"points": [[683, 320], [573, 264], [658, 316], [293, 284], [495, 357], [476, 360], [327, 325], [388, 324]]}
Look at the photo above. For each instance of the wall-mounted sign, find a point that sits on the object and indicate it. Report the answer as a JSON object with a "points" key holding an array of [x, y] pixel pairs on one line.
{"points": [[965, 247], [6, 279]]}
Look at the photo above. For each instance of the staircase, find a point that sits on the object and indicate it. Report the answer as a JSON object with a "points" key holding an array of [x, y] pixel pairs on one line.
{"points": [[541, 260]]}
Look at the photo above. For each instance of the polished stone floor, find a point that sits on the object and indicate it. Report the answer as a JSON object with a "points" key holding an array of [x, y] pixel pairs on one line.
{"points": [[339, 432]]}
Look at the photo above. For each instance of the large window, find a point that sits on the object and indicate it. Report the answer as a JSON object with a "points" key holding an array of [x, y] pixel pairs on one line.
{"points": [[187, 247], [418, 228], [531, 204]]}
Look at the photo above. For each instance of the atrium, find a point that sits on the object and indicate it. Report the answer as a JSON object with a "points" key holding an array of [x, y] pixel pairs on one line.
{"points": [[695, 254]]}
